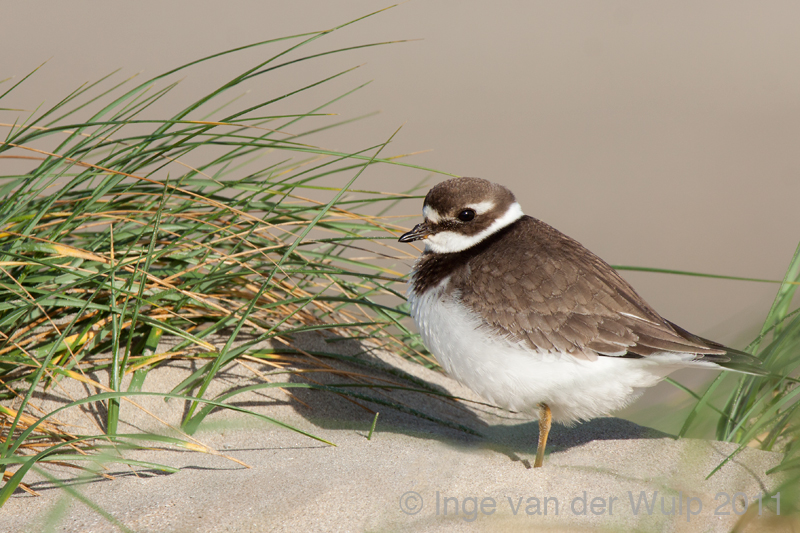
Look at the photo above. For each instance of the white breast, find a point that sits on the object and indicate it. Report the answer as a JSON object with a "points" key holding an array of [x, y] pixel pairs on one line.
{"points": [[518, 378]]}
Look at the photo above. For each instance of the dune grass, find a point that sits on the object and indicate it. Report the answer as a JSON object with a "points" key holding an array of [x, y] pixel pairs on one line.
{"points": [[111, 240], [757, 411], [764, 411]]}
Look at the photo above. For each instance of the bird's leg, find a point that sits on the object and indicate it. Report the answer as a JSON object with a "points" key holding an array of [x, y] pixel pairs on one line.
{"points": [[545, 417]]}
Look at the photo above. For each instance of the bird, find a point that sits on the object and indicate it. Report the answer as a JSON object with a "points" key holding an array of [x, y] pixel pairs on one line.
{"points": [[531, 320]]}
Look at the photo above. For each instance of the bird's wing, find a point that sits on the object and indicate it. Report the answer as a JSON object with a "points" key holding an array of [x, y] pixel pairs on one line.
{"points": [[558, 296]]}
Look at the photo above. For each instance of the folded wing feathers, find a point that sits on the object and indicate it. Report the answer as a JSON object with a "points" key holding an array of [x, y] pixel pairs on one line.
{"points": [[571, 301], [583, 318]]}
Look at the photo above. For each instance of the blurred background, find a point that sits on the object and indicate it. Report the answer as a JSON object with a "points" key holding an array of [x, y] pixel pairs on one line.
{"points": [[659, 134]]}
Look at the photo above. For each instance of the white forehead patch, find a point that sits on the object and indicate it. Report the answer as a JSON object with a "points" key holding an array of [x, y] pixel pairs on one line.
{"points": [[481, 207], [430, 214], [447, 242]]}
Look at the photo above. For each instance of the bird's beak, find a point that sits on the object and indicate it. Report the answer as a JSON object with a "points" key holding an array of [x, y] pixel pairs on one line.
{"points": [[420, 231]]}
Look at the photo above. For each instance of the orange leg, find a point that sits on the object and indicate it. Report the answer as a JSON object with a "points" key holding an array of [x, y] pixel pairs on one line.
{"points": [[545, 417]]}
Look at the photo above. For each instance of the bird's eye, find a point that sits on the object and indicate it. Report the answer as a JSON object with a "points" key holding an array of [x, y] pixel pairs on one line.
{"points": [[466, 215]]}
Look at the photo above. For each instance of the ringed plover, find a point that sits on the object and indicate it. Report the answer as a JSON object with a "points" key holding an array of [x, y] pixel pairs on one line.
{"points": [[531, 320]]}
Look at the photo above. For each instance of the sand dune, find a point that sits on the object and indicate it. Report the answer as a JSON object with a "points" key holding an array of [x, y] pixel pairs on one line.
{"points": [[413, 475]]}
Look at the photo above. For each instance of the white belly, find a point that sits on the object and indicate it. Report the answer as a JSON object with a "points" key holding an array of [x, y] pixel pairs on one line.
{"points": [[515, 377]]}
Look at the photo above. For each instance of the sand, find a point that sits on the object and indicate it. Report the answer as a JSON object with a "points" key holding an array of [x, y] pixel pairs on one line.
{"points": [[413, 475]]}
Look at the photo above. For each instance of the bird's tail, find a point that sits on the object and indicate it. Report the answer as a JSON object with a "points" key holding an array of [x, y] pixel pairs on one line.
{"points": [[730, 359]]}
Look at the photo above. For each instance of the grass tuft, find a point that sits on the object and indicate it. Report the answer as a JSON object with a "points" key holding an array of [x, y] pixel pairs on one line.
{"points": [[764, 411], [120, 230]]}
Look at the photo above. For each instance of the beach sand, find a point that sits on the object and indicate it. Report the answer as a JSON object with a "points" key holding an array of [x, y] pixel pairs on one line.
{"points": [[413, 475]]}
